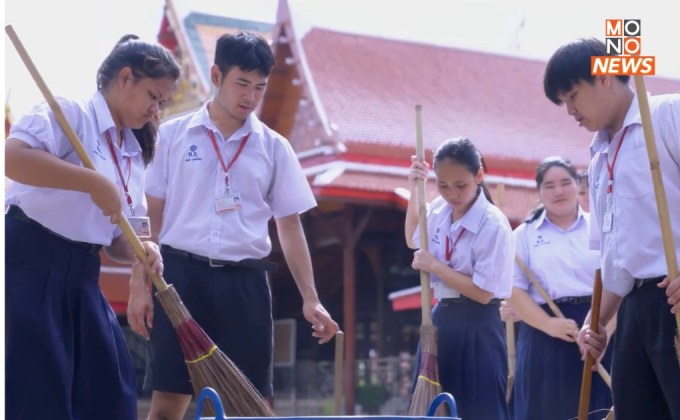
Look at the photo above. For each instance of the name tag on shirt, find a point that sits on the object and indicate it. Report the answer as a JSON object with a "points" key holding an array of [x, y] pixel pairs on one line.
{"points": [[230, 201], [608, 219], [141, 226]]}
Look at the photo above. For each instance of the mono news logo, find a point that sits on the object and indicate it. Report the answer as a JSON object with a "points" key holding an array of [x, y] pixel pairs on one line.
{"points": [[623, 42]]}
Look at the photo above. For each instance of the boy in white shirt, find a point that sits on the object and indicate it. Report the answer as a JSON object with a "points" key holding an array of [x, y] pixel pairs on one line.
{"points": [[625, 227]]}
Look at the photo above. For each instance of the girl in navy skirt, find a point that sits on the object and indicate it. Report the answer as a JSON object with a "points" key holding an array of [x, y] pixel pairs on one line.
{"points": [[553, 244], [469, 259], [66, 357]]}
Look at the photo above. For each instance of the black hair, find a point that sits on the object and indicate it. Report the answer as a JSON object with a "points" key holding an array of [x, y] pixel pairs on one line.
{"points": [[246, 50], [570, 64], [541, 169], [144, 60], [462, 151]]}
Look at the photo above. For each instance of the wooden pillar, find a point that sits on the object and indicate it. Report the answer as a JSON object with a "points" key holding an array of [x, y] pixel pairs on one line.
{"points": [[375, 259], [348, 233], [352, 234]]}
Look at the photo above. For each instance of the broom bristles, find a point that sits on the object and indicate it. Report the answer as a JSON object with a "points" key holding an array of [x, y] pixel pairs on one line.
{"points": [[427, 384], [208, 366]]}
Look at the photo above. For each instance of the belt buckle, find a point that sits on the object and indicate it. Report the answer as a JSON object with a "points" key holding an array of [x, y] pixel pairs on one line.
{"points": [[215, 264], [639, 283]]}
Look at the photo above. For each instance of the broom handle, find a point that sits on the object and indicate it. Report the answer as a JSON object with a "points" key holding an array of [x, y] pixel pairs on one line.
{"points": [[129, 233], [339, 350], [425, 298], [659, 192], [556, 310], [510, 340], [586, 380], [541, 291]]}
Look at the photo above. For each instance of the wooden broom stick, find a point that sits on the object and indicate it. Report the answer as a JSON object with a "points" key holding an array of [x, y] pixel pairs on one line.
{"points": [[425, 298], [586, 380], [427, 384], [659, 193], [509, 323], [339, 351]]}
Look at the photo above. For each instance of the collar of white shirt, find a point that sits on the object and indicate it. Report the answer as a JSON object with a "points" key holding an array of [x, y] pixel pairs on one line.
{"points": [[105, 123], [252, 125], [543, 220], [472, 219], [600, 142]]}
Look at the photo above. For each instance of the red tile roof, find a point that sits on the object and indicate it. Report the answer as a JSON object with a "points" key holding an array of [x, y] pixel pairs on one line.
{"points": [[368, 87], [516, 203]]}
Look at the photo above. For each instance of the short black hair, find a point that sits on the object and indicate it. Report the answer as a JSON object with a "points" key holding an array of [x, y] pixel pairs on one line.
{"points": [[246, 50], [570, 64]]}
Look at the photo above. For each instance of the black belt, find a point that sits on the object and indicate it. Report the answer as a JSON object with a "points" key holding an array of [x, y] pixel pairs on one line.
{"points": [[651, 280], [575, 300], [464, 299], [255, 264], [15, 212]]}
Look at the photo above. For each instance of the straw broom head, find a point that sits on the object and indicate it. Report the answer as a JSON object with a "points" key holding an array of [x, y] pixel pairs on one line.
{"points": [[427, 384], [209, 366]]}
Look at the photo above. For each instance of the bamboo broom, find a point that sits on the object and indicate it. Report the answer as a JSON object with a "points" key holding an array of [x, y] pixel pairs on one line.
{"points": [[509, 323], [427, 383], [659, 193], [207, 365], [586, 380], [512, 356]]}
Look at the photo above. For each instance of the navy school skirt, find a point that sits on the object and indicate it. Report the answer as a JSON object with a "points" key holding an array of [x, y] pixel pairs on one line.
{"points": [[66, 357], [549, 372], [472, 357]]}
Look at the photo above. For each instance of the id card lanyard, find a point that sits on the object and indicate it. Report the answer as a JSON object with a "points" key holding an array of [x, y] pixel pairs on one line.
{"points": [[449, 247], [229, 201], [141, 225], [609, 211], [123, 181]]}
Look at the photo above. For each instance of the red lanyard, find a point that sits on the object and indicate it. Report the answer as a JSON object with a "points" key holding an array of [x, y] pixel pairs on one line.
{"points": [[610, 168], [449, 248], [120, 173], [233, 159]]}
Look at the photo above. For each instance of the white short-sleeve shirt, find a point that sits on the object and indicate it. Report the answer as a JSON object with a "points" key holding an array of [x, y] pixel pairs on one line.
{"points": [[188, 176], [634, 248], [484, 246], [560, 259], [72, 214]]}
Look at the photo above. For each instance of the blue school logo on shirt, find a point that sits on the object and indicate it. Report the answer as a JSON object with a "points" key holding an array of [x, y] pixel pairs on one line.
{"points": [[435, 238], [540, 241], [98, 151], [192, 154]]}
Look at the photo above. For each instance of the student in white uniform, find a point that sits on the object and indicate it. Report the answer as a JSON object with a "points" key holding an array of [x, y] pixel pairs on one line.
{"points": [[553, 244], [219, 176], [470, 257], [66, 357], [625, 228]]}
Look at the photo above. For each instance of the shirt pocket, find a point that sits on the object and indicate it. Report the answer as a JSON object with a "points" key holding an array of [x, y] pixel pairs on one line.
{"points": [[634, 176]]}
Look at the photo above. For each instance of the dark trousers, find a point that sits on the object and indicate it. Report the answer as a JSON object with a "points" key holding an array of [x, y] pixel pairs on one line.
{"points": [[549, 372], [66, 357], [645, 370], [472, 357], [232, 305]]}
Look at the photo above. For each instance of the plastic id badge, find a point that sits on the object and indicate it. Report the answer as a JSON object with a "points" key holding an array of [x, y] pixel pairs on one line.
{"points": [[141, 226], [228, 202]]}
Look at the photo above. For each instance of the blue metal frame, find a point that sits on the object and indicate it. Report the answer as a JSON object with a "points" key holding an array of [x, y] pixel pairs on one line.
{"points": [[212, 395]]}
